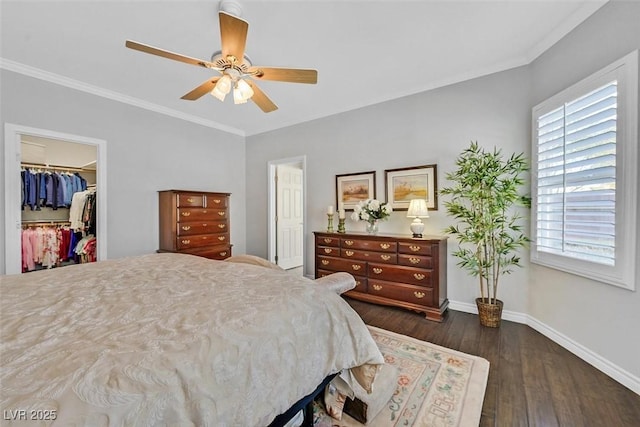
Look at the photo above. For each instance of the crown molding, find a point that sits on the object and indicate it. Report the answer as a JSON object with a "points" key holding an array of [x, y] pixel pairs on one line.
{"points": [[58, 79]]}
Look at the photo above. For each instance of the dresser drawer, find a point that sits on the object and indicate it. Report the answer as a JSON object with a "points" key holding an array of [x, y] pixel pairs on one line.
{"points": [[200, 240], [328, 251], [370, 245], [217, 252], [190, 200], [336, 264], [419, 261], [369, 256], [397, 273], [202, 227], [213, 202], [415, 248], [328, 241], [199, 214], [400, 291], [361, 282]]}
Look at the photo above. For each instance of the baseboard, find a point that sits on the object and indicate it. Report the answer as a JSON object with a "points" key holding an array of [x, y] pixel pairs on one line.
{"points": [[611, 369], [512, 316], [607, 367]]}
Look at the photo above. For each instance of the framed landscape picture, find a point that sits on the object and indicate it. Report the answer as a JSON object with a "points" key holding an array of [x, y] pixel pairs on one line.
{"points": [[417, 182], [354, 187]]}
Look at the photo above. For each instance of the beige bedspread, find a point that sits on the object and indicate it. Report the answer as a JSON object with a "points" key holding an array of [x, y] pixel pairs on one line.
{"points": [[168, 339]]}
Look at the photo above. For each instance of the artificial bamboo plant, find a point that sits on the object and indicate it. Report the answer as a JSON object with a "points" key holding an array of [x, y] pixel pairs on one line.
{"points": [[485, 187]]}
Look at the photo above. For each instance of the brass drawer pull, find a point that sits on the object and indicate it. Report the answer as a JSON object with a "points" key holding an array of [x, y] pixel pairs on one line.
{"points": [[419, 276], [223, 253], [221, 238], [419, 294], [327, 250], [186, 227], [186, 241], [348, 242], [349, 253], [358, 283], [385, 257], [414, 248], [204, 237], [204, 211], [385, 245], [222, 225], [413, 260], [326, 240], [190, 200], [186, 213], [356, 267], [218, 201], [377, 270], [221, 213], [377, 287], [325, 262]]}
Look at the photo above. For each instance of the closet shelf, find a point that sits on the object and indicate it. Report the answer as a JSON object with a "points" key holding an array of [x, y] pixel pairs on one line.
{"points": [[56, 167]]}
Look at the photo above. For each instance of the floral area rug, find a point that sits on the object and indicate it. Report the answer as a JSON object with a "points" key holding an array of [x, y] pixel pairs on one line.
{"points": [[436, 386]]}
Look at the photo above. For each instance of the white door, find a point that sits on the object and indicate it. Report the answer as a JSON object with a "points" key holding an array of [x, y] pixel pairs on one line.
{"points": [[289, 234]]}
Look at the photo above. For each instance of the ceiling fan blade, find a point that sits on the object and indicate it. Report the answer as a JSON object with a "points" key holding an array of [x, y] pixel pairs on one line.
{"points": [[201, 90], [291, 75], [233, 35], [261, 99], [170, 55]]}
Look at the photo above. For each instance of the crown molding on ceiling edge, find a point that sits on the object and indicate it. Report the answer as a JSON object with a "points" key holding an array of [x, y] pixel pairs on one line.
{"points": [[47, 76]]}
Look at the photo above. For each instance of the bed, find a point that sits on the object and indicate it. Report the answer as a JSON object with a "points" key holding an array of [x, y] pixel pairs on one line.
{"points": [[169, 339]]}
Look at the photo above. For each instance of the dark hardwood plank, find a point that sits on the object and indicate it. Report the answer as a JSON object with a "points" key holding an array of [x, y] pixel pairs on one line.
{"points": [[532, 380]]}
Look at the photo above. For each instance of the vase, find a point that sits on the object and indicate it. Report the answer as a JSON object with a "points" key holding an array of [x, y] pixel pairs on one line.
{"points": [[372, 227]]}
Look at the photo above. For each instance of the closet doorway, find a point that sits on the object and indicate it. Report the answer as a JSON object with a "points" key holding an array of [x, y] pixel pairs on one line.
{"points": [[54, 151], [287, 213]]}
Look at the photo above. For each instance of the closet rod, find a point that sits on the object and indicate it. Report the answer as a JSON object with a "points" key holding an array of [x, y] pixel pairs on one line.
{"points": [[45, 222], [54, 167]]}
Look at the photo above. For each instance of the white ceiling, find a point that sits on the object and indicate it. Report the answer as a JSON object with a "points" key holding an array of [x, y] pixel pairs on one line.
{"points": [[365, 52]]}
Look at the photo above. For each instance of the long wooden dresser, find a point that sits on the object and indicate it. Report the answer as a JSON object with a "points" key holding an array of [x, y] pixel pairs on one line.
{"points": [[195, 222], [389, 269]]}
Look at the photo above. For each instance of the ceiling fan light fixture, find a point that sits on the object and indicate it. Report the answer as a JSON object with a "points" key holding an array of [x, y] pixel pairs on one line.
{"points": [[242, 92], [222, 87]]}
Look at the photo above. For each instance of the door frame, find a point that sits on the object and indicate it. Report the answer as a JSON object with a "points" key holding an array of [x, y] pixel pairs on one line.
{"points": [[13, 222], [271, 205]]}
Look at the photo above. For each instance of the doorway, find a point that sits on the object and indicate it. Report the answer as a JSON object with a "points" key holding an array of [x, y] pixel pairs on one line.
{"points": [[14, 135], [287, 213]]}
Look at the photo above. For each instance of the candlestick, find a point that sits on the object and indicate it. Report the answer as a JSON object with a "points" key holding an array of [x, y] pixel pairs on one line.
{"points": [[330, 223], [341, 214], [341, 224], [330, 210]]}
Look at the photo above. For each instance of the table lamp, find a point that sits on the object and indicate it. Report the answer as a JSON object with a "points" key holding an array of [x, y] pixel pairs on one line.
{"points": [[417, 209]]}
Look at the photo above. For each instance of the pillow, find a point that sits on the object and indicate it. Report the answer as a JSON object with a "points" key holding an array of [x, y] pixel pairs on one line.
{"points": [[254, 260], [338, 282], [365, 375], [365, 406]]}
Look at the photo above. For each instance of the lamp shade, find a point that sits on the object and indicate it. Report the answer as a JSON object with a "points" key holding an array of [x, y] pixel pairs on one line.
{"points": [[418, 209]]}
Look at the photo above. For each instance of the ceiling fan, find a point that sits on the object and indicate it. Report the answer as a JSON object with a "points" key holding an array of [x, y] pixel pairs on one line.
{"points": [[236, 71]]}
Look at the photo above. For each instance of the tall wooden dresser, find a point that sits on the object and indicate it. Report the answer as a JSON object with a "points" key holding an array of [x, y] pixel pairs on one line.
{"points": [[195, 222], [389, 269]]}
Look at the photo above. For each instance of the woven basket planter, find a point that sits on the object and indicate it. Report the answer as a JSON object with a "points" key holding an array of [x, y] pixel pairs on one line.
{"points": [[489, 314]]}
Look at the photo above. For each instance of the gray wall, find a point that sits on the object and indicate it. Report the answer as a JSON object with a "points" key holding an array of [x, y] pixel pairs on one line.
{"points": [[601, 317], [146, 152], [427, 128]]}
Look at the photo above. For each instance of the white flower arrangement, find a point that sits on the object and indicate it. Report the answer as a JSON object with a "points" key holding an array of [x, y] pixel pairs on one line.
{"points": [[371, 210]]}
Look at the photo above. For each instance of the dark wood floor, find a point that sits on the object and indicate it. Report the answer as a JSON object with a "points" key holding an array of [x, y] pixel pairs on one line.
{"points": [[532, 380]]}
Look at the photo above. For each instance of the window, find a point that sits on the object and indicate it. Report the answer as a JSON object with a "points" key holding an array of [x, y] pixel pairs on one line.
{"points": [[584, 182]]}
